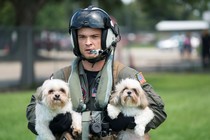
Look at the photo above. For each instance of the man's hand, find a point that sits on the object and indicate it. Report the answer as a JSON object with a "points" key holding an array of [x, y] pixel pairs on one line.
{"points": [[60, 123]]}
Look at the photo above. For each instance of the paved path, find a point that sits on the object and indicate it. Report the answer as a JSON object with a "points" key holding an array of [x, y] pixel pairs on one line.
{"points": [[152, 59]]}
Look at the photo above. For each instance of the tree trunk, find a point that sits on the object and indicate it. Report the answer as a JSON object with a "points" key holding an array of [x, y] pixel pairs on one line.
{"points": [[26, 51], [26, 11]]}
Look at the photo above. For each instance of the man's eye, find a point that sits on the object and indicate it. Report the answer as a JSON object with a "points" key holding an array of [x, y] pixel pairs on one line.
{"points": [[81, 37], [95, 36]]}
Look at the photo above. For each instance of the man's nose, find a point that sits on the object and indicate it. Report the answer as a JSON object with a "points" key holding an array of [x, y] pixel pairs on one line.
{"points": [[88, 41]]}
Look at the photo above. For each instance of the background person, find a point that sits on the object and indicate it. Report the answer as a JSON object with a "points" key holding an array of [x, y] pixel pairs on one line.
{"points": [[92, 76], [187, 45], [205, 48]]}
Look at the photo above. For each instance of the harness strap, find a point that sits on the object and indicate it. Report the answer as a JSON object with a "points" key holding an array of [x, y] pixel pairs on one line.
{"points": [[116, 69], [86, 118]]}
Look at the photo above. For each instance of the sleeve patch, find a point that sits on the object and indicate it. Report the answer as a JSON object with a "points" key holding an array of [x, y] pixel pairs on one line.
{"points": [[140, 78]]}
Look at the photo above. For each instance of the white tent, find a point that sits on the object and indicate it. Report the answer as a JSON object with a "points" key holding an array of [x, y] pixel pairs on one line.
{"points": [[182, 25]]}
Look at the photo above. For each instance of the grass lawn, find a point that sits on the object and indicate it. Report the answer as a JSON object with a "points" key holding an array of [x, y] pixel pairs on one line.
{"points": [[13, 123], [186, 97], [187, 100]]}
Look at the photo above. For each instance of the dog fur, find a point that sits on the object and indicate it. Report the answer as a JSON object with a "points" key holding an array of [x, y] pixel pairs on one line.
{"points": [[130, 99], [53, 98]]}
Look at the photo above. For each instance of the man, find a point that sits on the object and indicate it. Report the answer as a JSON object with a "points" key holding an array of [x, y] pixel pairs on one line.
{"points": [[92, 77]]}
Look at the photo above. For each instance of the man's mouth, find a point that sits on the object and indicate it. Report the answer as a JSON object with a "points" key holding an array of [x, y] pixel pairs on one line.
{"points": [[88, 51]]}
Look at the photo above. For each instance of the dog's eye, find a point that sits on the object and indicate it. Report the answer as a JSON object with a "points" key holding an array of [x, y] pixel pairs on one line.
{"points": [[124, 89], [51, 91], [62, 90], [135, 91]]}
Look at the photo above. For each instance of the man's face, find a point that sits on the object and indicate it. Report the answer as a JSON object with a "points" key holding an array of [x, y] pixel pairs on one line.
{"points": [[89, 39]]}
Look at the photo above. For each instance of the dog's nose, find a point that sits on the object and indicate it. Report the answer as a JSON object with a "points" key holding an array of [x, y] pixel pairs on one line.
{"points": [[129, 92], [57, 95]]}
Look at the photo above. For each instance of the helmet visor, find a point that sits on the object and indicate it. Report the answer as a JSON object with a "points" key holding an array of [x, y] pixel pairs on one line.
{"points": [[89, 18]]}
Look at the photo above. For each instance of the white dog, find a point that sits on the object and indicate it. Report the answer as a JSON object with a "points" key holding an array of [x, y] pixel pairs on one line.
{"points": [[53, 98], [130, 99]]}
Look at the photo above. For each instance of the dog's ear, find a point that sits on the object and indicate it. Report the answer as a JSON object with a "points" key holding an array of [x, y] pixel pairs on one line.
{"points": [[114, 99], [143, 99], [38, 94], [68, 90]]}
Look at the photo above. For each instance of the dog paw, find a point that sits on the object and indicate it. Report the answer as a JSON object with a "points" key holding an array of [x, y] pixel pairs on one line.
{"points": [[113, 111], [139, 130], [113, 115]]}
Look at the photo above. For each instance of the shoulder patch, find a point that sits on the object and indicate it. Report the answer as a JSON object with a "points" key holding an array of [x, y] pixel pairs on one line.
{"points": [[140, 78]]}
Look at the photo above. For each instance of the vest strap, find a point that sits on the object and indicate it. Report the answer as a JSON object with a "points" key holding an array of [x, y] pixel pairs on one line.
{"points": [[104, 87]]}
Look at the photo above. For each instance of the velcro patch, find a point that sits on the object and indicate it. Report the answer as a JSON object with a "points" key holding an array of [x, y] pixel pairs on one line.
{"points": [[140, 78]]}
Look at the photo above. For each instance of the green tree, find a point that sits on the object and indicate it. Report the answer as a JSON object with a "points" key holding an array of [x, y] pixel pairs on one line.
{"points": [[174, 9], [7, 13], [47, 13], [24, 12], [53, 16]]}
